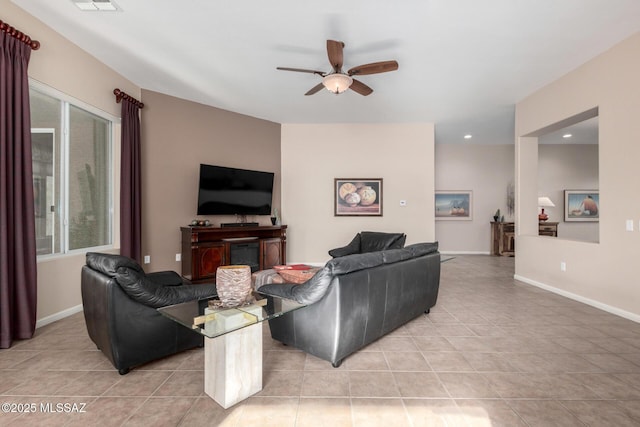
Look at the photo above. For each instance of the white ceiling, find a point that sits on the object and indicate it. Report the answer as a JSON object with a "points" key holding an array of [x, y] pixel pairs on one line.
{"points": [[463, 63], [584, 132]]}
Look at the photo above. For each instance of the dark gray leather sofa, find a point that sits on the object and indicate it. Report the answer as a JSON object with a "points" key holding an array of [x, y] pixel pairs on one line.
{"points": [[356, 299], [119, 303]]}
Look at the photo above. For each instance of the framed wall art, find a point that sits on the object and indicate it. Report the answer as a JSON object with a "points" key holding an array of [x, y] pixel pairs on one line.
{"points": [[357, 196], [454, 205], [581, 205]]}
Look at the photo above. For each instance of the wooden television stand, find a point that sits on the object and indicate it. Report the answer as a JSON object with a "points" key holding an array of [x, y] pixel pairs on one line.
{"points": [[204, 249]]}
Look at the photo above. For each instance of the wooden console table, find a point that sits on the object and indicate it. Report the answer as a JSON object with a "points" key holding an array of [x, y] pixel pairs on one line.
{"points": [[548, 229], [503, 236], [204, 249]]}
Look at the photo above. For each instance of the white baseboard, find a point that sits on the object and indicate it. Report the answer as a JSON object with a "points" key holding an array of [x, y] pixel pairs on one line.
{"points": [[465, 253], [59, 315], [597, 304]]}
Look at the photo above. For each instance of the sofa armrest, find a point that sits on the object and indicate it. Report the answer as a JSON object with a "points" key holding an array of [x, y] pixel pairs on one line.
{"points": [[352, 248], [167, 278], [306, 293], [144, 290], [281, 290]]}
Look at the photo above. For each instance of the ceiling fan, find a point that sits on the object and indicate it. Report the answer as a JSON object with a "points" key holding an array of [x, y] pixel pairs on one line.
{"points": [[338, 81]]}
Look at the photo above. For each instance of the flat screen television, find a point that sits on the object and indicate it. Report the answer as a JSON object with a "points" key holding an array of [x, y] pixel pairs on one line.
{"points": [[230, 191]]}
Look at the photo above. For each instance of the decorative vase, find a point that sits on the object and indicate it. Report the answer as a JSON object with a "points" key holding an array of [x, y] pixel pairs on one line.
{"points": [[233, 284], [347, 188], [352, 199], [496, 218], [367, 195]]}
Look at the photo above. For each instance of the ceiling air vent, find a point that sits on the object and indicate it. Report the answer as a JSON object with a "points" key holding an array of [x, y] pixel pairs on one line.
{"points": [[96, 5]]}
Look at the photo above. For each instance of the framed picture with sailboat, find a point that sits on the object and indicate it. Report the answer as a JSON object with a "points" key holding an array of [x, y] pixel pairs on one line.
{"points": [[454, 205]]}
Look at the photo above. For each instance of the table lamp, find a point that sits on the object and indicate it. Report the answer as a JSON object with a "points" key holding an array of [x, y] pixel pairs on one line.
{"points": [[544, 202]]}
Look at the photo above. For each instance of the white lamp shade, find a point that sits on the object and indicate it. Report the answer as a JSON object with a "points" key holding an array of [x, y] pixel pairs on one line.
{"points": [[336, 82], [545, 202]]}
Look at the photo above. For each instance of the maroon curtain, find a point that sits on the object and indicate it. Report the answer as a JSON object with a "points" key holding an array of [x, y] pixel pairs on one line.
{"points": [[18, 267], [130, 199]]}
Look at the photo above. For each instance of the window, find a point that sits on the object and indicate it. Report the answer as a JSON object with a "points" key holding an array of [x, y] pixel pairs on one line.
{"points": [[72, 173]]}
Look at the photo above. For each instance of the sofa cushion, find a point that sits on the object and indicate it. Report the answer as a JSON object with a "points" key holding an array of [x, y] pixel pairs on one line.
{"points": [[372, 241], [419, 249], [355, 262], [395, 255], [412, 251]]}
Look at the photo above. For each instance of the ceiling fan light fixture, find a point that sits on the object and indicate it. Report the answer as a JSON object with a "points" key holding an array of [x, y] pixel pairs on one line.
{"points": [[337, 82]]}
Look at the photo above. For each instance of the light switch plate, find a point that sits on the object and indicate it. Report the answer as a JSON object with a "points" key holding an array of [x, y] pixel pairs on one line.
{"points": [[147, 259], [629, 225]]}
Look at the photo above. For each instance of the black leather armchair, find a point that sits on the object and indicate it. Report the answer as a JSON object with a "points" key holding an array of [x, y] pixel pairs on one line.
{"points": [[120, 301], [370, 241]]}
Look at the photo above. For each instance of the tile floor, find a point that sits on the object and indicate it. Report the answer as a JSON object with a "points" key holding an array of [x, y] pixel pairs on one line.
{"points": [[493, 352]]}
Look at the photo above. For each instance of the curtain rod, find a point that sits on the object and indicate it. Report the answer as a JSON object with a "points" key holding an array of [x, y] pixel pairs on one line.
{"points": [[120, 95], [35, 44]]}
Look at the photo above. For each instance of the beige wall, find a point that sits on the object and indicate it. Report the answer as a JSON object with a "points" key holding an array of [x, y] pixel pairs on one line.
{"points": [[484, 169], [62, 65], [604, 274], [178, 135], [313, 155]]}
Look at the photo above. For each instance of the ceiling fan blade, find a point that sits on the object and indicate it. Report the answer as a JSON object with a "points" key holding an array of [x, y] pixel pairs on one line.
{"points": [[301, 70], [334, 50], [315, 89], [373, 68], [360, 88]]}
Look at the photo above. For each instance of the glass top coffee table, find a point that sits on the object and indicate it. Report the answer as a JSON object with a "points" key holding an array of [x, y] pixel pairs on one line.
{"points": [[233, 344]]}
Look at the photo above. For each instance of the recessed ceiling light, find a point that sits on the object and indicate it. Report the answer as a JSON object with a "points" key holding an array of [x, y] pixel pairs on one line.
{"points": [[105, 6], [96, 5], [468, 136], [567, 135], [86, 5]]}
